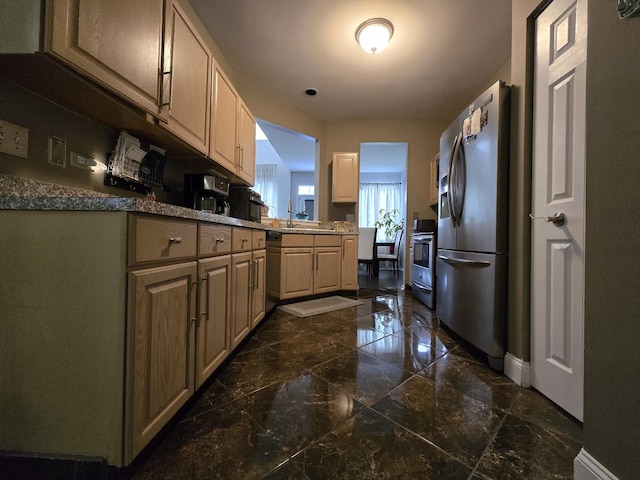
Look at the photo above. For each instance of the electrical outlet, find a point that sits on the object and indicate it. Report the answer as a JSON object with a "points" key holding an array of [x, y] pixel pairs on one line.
{"points": [[57, 152], [81, 161], [14, 139]]}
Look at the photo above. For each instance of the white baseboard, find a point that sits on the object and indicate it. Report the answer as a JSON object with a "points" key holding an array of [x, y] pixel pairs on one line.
{"points": [[585, 467], [517, 370]]}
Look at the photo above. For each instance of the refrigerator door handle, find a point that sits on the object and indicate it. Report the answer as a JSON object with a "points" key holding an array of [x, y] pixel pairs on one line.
{"points": [[456, 181], [452, 181], [461, 261], [461, 180]]}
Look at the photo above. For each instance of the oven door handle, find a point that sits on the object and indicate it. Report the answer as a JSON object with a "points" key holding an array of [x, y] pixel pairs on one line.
{"points": [[461, 261], [421, 286]]}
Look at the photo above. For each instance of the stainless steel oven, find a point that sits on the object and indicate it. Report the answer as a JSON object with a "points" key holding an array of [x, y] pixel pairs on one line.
{"points": [[423, 267]]}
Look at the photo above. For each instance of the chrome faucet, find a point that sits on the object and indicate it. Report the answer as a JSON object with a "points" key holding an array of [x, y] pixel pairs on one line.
{"points": [[290, 210]]}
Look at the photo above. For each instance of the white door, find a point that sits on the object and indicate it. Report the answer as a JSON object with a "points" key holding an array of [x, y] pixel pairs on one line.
{"points": [[557, 251]]}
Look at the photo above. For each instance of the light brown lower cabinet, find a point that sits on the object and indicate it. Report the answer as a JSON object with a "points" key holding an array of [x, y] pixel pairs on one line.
{"points": [[247, 293], [240, 297], [327, 268], [114, 315], [350, 262], [258, 288], [290, 272], [304, 264], [232, 292], [161, 363], [212, 336]]}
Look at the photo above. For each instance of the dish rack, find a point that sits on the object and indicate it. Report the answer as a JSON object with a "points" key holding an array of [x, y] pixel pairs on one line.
{"points": [[134, 169]]}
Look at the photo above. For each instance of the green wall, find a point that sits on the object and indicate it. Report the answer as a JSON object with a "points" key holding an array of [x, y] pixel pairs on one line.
{"points": [[612, 323]]}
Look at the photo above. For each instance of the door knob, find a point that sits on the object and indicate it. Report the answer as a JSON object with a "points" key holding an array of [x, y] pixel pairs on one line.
{"points": [[558, 219]]}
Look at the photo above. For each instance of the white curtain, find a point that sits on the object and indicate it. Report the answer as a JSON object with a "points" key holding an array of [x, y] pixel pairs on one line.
{"points": [[373, 197], [266, 186]]}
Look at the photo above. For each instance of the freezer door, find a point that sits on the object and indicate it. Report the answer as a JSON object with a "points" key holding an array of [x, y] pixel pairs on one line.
{"points": [[471, 296], [483, 222], [446, 230]]}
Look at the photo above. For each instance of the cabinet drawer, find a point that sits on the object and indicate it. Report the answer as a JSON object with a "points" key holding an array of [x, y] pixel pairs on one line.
{"points": [[240, 239], [258, 239], [213, 239], [296, 240], [156, 239], [327, 240]]}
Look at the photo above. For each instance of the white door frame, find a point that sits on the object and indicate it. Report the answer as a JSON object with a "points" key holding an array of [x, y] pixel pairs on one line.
{"points": [[558, 185]]}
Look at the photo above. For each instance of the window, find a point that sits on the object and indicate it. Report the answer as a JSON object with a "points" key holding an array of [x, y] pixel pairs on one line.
{"points": [[266, 186], [373, 197], [306, 190]]}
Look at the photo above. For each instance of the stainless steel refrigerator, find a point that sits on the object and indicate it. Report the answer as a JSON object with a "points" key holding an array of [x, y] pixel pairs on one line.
{"points": [[471, 264]]}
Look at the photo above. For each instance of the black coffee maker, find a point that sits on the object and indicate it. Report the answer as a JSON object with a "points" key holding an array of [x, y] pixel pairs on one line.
{"points": [[206, 192]]}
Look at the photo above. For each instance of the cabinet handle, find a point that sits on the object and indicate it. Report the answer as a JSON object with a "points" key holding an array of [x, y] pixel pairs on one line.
{"points": [[317, 261], [219, 240], [256, 282], [204, 293], [238, 156], [175, 239], [167, 91], [244, 240]]}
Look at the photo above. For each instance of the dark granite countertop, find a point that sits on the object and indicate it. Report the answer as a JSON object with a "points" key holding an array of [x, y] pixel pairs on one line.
{"points": [[26, 194], [18, 193]]}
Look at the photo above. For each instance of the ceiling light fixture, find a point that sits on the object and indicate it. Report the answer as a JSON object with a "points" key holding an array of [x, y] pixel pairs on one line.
{"points": [[374, 34]]}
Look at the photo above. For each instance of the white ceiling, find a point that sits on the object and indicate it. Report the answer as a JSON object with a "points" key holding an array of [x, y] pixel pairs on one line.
{"points": [[441, 55]]}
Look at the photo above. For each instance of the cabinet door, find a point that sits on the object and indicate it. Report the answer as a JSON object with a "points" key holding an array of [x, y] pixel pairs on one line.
{"points": [[327, 275], [346, 170], [223, 121], [247, 144], [350, 262], [189, 109], [241, 282], [160, 350], [296, 272], [117, 43], [212, 335], [258, 291]]}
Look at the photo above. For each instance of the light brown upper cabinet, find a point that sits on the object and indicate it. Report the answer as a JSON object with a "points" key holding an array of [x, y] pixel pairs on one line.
{"points": [[188, 66], [118, 44], [246, 144], [346, 169], [232, 130]]}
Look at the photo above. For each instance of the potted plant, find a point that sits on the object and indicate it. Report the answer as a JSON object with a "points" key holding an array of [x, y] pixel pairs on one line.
{"points": [[389, 222]]}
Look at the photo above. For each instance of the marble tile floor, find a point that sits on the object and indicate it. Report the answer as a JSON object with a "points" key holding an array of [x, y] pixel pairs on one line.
{"points": [[377, 391]]}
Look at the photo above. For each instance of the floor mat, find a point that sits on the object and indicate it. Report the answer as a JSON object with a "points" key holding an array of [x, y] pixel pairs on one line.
{"points": [[318, 306]]}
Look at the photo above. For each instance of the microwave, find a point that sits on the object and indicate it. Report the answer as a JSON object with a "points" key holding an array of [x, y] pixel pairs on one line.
{"points": [[245, 203]]}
